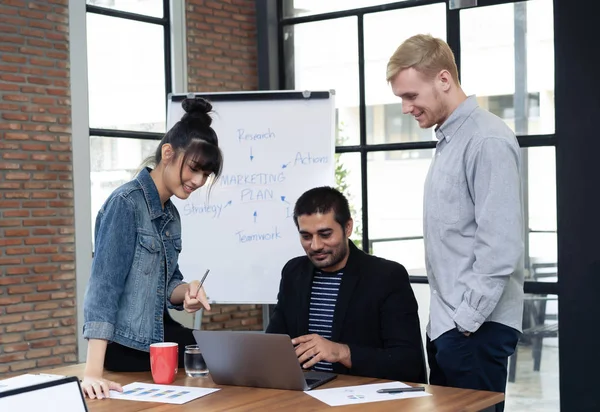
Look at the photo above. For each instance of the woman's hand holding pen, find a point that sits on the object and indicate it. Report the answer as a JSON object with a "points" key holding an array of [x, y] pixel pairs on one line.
{"points": [[195, 298]]}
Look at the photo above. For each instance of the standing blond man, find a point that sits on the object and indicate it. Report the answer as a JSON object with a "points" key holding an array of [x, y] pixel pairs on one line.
{"points": [[472, 223]]}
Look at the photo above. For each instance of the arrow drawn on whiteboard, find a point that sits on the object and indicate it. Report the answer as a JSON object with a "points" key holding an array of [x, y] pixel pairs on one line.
{"points": [[283, 200], [285, 165], [227, 204], [251, 157], [255, 214]]}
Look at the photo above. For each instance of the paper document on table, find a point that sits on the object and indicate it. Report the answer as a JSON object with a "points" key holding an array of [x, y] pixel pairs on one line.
{"points": [[27, 379], [350, 395], [148, 392]]}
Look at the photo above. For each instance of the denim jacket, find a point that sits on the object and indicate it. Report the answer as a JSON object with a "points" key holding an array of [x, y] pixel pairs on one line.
{"points": [[134, 270]]}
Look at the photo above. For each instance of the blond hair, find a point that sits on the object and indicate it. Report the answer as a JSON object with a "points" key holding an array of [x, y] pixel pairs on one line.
{"points": [[424, 53]]}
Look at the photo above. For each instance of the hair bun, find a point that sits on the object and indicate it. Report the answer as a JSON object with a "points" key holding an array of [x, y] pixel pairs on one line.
{"points": [[197, 104], [197, 108]]}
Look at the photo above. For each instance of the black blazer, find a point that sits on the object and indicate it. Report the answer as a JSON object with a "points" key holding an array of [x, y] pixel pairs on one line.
{"points": [[375, 315]]}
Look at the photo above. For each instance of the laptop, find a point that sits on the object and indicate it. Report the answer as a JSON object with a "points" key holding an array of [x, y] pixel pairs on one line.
{"points": [[60, 395], [256, 359]]}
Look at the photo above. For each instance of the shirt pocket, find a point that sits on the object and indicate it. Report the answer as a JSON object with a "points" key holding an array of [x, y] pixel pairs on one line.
{"points": [[174, 252], [177, 244], [447, 199], [149, 255]]}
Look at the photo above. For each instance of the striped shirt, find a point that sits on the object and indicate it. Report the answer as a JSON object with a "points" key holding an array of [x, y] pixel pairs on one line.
{"points": [[323, 297]]}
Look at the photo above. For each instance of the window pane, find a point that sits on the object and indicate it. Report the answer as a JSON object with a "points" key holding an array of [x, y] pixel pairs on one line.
{"points": [[152, 8], [527, 389], [126, 74], [395, 216], [324, 56], [541, 167], [347, 179], [294, 8], [536, 363], [114, 161], [409, 251], [396, 207], [507, 60], [385, 121], [541, 189], [533, 383]]}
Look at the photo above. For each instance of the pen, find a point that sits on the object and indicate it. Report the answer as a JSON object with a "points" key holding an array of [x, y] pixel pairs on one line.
{"points": [[203, 277], [400, 390], [200, 284]]}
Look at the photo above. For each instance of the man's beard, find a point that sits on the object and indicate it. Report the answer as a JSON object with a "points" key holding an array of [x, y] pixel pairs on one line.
{"points": [[333, 259], [441, 113]]}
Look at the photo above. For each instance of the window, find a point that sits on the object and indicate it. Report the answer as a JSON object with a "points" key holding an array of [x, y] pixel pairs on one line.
{"points": [[506, 59], [128, 43], [307, 7], [507, 56], [503, 106], [154, 8], [402, 128]]}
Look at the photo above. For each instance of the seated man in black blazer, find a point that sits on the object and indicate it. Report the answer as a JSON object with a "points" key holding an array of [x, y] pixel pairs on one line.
{"points": [[346, 311]]}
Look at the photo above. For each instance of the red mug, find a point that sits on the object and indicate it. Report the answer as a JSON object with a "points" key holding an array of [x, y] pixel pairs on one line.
{"points": [[164, 359]]}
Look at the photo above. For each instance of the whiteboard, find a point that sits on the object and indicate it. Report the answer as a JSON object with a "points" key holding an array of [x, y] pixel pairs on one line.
{"points": [[276, 145]]}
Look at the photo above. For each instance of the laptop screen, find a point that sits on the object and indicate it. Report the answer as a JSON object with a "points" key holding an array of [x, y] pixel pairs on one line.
{"points": [[62, 395]]}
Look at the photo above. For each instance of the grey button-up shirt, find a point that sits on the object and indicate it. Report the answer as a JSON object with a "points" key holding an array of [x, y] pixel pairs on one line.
{"points": [[473, 223]]}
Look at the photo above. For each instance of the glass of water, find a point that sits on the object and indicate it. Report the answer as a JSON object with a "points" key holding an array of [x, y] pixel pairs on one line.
{"points": [[194, 362]]}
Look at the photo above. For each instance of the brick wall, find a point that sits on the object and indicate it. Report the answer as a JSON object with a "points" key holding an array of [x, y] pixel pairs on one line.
{"points": [[37, 274], [222, 56]]}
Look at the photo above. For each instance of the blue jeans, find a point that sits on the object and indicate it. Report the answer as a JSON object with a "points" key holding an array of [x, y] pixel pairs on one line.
{"points": [[477, 361]]}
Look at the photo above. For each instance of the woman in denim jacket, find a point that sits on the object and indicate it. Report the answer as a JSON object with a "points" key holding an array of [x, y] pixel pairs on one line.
{"points": [[135, 277]]}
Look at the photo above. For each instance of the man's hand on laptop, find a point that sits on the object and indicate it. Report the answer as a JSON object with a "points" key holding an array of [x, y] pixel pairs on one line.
{"points": [[313, 348]]}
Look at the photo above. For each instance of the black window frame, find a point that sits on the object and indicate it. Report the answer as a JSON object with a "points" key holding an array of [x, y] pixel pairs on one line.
{"points": [[363, 148], [576, 147], [165, 22]]}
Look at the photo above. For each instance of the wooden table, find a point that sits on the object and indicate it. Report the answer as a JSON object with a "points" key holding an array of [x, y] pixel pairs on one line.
{"points": [[238, 398]]}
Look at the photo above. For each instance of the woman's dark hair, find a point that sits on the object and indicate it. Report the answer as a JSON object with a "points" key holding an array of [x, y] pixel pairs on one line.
{"points": [[323, 200], [194, 139]]}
